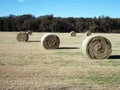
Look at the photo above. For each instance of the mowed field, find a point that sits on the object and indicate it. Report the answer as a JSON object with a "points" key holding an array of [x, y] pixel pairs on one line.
{"points": [[28, 66]]}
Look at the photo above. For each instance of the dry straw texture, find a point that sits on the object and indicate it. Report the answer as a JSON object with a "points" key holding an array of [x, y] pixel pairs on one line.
{"points": [[97, 47], [50, 41], [72, 33], [22, 37], [88, 33]]}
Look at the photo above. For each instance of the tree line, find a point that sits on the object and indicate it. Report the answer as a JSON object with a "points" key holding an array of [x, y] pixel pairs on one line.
{"points": [[49, 23]]}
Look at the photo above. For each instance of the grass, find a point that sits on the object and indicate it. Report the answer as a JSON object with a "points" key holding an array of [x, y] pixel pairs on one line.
{"points": [[28, 66], [18, 59], [115, 63], [110, 81], [70, 54]]}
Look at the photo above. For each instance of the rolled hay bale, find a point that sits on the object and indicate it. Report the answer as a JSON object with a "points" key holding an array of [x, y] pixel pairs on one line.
{"points": [[97, 47], [72, 33], [50, 41], [29, 32], [88, 33], [22, 37]]}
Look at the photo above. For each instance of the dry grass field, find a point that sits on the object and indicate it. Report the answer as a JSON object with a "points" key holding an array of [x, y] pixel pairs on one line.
{"points": [[28, 66]]}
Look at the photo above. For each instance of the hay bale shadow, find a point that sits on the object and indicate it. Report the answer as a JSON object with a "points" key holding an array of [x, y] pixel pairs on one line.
{"points": [[114, 57], [68, 48], [34, 41]]}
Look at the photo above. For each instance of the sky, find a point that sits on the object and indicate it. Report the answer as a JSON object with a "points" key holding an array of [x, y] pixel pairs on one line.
{"points": [[61, 8]]}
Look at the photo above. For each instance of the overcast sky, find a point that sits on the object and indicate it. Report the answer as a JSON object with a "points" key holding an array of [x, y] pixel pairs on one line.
{"points": [[61, 8]]}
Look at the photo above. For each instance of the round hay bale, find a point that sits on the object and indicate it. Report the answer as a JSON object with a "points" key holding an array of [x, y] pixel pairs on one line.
{"points": [[97, 47], [88, 33], [29, 32], [50, 41], [22, 37], [72, 33]]}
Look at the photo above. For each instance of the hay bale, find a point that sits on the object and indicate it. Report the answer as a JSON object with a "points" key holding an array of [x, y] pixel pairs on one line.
{"points": [[22, 37], [88, 33], [96, 47], [50, 41], [72, 33], [29, 32]]}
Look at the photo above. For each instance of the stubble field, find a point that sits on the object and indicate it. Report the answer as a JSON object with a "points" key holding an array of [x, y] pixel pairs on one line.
{"points": [[28, 66]]}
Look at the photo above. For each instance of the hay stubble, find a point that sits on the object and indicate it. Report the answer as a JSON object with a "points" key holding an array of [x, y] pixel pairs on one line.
{"points": [[27, 66]]}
